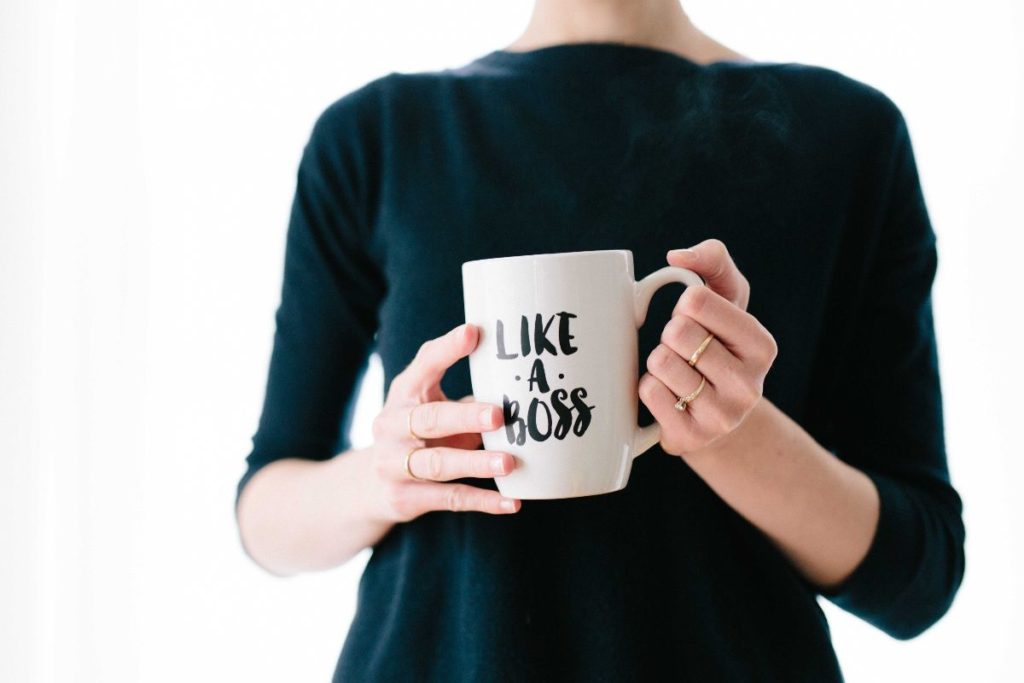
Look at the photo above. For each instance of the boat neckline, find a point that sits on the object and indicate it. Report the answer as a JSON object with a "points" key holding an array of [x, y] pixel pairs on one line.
{"points": [[587, 51]]}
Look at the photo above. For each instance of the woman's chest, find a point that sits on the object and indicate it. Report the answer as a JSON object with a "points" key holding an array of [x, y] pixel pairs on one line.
{"points": [[431, 223]]}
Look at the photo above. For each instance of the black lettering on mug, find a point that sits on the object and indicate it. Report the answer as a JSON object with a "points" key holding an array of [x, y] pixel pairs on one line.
{"points": [[538, 377], [583, 421], [563, 411], [541, 329], [563, 333], [571, 411], [533, 423], [540, 336], [500, 337], [515, 428]]}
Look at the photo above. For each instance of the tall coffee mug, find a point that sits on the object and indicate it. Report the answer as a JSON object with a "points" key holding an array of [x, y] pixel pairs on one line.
{"points": [[558, 351]]}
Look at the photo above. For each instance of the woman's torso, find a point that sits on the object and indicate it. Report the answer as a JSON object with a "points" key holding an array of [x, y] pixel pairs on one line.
{"points": [[606, 146]]}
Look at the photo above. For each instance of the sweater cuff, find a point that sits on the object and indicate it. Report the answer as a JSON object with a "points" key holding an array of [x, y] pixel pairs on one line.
{"points": [[873, 591]]}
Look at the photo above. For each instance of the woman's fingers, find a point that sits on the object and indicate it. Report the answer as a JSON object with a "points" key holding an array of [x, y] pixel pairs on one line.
{"points": [[445, 418], [467, 442], [675, 373], [432, 360], [734, 363], [741, 332], [416, 408], [684, 335], [732, 380], [440, 463], [711, 413], [680, 431], [711, 260], [464, 498], [410, 500], [435, 420]]}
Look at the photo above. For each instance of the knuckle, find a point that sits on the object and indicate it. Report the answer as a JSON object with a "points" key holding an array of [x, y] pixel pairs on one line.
{"points": [[468, 416], [647, 388], [492, 501], [693, 300], [755, 390], [404, 510], [379, 462], [481, 464], [717, 247], [743, 292], [423, 351], [675, 331], [455, 499], [379, 427], [400, 384], [394, 388], [435, 463], [428, 417], [659, 358], [395, 500], [766, 353], [773, 346], [483, 501], [735, 374], [747, 394]]}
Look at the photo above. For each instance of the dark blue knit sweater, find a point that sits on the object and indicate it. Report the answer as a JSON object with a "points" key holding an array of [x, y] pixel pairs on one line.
{"points": [[807, 175]]}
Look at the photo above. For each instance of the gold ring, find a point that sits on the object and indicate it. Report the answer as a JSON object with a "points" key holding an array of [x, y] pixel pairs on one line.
{"points": [[408, 424], [684, 401], [700, 350], [408, 463]]}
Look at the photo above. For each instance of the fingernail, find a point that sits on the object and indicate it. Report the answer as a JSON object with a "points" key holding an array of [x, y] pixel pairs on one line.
{"points": [[486, 417], [498, 464], [507, 504], [682, 252]]}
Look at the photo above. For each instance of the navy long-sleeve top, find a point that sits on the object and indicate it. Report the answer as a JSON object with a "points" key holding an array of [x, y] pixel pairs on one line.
{"points": [[809, 178]]}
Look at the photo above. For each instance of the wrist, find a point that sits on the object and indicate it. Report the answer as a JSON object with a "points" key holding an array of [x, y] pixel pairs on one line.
{"points": [[353, 487], [371, 494]]}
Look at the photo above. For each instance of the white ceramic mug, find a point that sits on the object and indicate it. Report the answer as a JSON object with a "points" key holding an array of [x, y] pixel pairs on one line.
{"points": [[558, 351]]}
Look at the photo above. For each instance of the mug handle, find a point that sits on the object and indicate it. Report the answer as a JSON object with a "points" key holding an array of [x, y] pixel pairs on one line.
{"points": [[646, 437]]}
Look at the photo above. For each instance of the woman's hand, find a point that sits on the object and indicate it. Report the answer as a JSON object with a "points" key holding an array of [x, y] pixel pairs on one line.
{"points": [[443, 439], [734, 363]]}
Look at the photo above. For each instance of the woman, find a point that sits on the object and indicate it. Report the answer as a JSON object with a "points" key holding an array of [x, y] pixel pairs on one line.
{"points": [[615, 125]]}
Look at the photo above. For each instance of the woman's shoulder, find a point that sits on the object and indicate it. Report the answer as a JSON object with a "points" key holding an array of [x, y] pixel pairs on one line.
{"points": [[364, 108], [830, 98], [811, 106], [354, 108], [823, 91]]}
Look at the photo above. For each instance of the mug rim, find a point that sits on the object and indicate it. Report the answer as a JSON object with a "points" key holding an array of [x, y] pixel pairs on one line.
{"points": [[554, 254]]}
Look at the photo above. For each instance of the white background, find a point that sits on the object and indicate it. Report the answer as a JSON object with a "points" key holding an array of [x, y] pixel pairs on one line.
{"points": [[147, 161]]}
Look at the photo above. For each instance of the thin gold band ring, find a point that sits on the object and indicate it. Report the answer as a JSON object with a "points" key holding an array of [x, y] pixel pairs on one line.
{"points": [[408, 424], [408, 465], [684, 401], [700, 350]]}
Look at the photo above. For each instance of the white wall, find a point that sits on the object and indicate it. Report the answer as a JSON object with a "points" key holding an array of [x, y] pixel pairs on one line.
{"points": [[147, 161]]}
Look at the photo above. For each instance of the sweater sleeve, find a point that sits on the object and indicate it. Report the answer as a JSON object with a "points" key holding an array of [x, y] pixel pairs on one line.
{"points": [[327, 316], [889, 420]]}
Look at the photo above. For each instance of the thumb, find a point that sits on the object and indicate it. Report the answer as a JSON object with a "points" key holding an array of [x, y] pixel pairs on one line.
{"points": [[711, 260]]}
